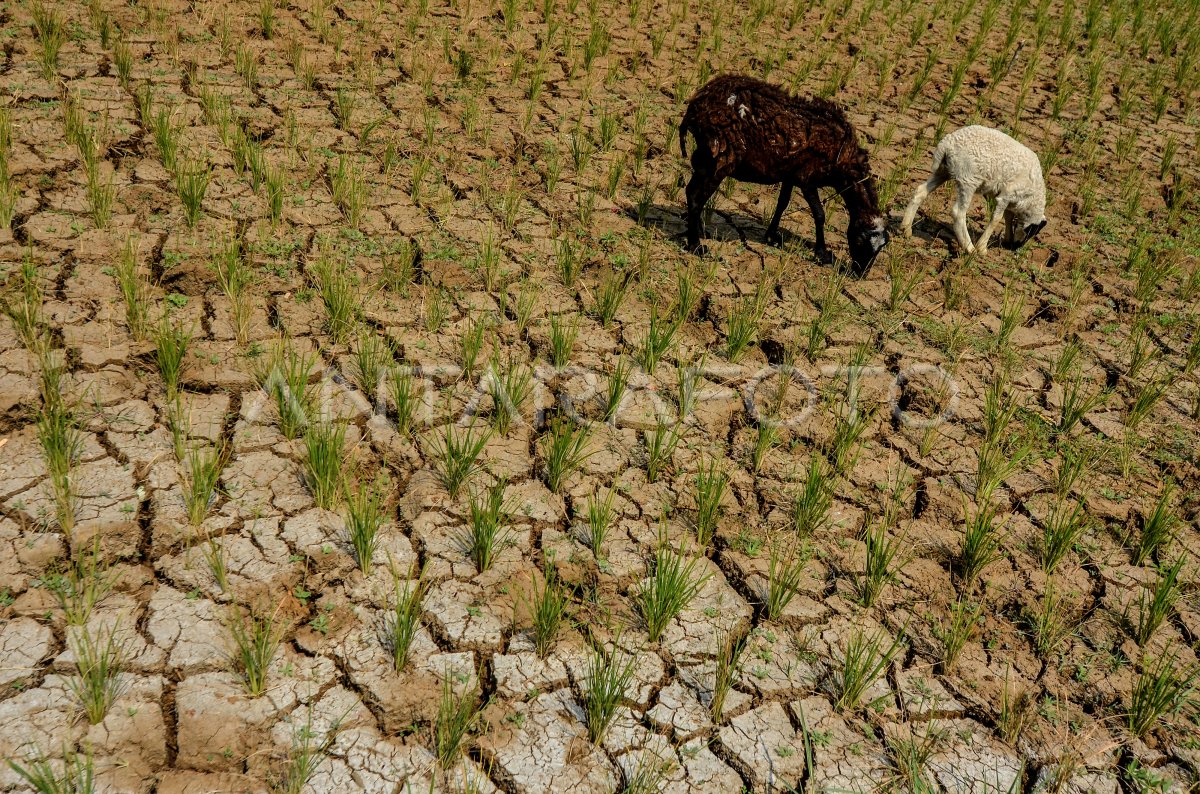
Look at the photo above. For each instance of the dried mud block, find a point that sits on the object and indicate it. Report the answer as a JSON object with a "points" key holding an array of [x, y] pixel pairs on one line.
{"points": [[520, 671], [184, 782], [39, 722], [464, 615], [680, 711], [544, 747], [262, 483], [190, 630], [765, 748], [24, 643], [778, 660], [973, 761], [846, 757], [923, 696]]}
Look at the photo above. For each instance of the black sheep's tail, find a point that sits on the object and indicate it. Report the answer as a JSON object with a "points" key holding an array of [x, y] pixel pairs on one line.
{"points": [[685, 126]]}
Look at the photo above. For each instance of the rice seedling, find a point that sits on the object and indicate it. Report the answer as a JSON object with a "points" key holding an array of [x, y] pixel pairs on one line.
{"points": [[437, 309], [1016, 710], [134, 290], [487, 534], [510, 386], [728, 668], [599, 517], [562, 339], [688, 375], [660, 448], [1077, 402], [547, 607], [744, 320], [99, 663], [235, 277], [84, 583], [213, 552], [980, 545], [344, 103], [1158, 527], [77, 774], [284, 376], [569, 261], [123, 60], [605, 686], [245, 65], [902, 281], [1142, 349], [665, 593], [371, 364], [471, 344], [527, 300], [766, 438], [305, 756], [456, 456], [1162, 690], [457, 716], [1051, 622], [273, 180], [660, 334], [403, 618], [256, 638], [844, 447], [51, 33], [191, 183], [25, 310], [785, 573], [811, 504], [564, 448], [324, 445], [1147, 397], [266, 18], [338, 294], [614, 395], [171, 343], [1063, 528], [201, 476], [867, 656], [398, 267], [956, 632], [711, 484], [1155, 604], [613, 290], [62, 446], [365, 515], [883, 562]]}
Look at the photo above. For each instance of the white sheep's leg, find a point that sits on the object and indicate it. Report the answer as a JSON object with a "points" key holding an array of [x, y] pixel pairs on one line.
{"points": [[958, 210], [981, 244], [923, 191]]}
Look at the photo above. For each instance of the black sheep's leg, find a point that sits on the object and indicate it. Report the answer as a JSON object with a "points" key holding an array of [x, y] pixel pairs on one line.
{"points": [[699, 190], [818, 212], [785, 196]]}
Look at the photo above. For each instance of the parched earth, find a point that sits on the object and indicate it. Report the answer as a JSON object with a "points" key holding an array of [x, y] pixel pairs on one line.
{"points": [[467, 183]]}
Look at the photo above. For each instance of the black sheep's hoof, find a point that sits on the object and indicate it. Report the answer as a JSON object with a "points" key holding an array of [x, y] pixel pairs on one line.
{"points": [[699, 249], [824, 256], [775, 239]]}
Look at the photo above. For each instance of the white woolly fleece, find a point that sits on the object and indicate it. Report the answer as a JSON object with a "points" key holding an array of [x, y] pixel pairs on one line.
{"points": [[984, 160]]}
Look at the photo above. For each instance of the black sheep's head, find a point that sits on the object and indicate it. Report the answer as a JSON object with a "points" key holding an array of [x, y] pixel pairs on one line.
{"points": [[866, 240]]}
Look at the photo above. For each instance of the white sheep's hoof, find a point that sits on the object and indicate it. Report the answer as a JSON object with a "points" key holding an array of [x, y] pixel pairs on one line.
{"points": [[980, 250]]}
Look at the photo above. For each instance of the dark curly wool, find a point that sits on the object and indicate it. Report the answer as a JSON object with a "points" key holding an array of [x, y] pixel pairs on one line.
{"points": [[756, 132]]}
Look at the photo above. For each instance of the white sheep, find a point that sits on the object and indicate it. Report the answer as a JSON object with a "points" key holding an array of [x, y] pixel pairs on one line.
{"points": [[981, 159]]}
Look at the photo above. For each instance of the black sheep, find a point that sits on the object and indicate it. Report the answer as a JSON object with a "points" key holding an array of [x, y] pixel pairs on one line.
{"points": [[756, 132]]}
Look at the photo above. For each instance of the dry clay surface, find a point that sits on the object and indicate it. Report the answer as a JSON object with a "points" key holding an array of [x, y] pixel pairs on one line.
{"points": [[474, 180]]}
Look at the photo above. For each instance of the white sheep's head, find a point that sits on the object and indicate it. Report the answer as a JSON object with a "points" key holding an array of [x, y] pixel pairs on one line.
{"points": [[1029, 217]]}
